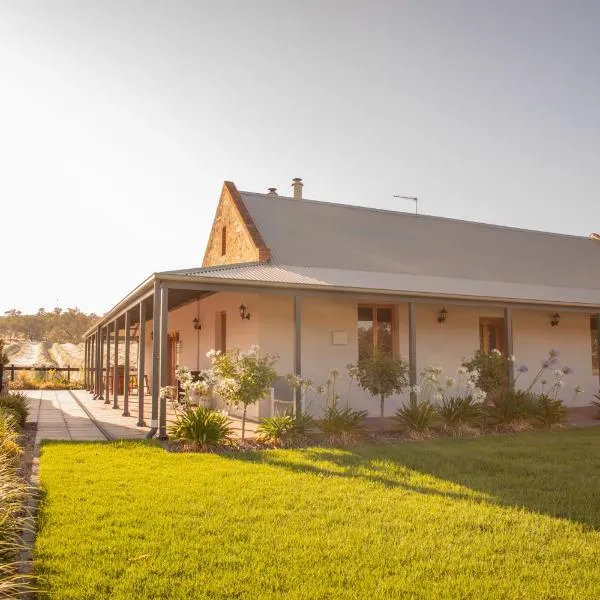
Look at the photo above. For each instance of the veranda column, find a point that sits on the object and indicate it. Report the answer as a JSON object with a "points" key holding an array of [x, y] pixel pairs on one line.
{"points": [[298, 350], [164, 359], [90, 362], [508, 336], [93, 365], [116, 367], [412, 349], [155, 359], [141, 363], [126, 369], [85, 363], [107, 370], [100, 364]]}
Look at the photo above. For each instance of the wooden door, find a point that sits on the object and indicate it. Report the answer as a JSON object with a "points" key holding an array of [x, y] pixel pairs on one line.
{"points": [[172, 358], [492, 335]]}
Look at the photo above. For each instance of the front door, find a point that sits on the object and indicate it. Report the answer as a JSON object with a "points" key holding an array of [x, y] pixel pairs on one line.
{"points": [[492, 335], [172, 358]]}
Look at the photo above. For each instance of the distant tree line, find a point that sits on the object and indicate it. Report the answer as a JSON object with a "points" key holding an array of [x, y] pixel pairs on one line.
{"points": [[60, 326]]}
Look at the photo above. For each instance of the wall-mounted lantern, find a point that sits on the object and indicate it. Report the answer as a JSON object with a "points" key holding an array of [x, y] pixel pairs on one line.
{"points": [[442, 315], [244, 314], [554, 319], [196, 323]]}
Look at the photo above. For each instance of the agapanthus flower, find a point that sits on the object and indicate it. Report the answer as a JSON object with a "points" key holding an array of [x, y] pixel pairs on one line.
{"points": [[522, 369], [511, 358], [579, 389], [437, 397], [560, 383], [554, 353], [567, 370], [546, 364], [450, 382], [415, 389], [461, 371]]}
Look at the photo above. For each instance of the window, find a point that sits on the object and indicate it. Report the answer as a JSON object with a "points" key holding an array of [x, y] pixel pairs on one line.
{"points": [[491, 335], [224, 241], [221, 331], [375, 330], [595, 354]]}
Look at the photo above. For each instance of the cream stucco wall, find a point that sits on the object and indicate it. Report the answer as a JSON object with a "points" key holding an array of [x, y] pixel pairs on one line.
{"points": [[271, 326]]}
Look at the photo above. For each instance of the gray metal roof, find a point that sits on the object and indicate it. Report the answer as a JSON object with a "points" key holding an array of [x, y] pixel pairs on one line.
{"points": [[394, 283], [352, 239]]}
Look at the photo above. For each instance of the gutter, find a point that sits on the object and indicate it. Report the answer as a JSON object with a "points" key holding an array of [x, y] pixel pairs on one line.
{"points": [[491, 300]]}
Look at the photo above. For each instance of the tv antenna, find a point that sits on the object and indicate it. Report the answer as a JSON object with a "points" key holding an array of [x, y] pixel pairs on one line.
{"points": [[413, 198]]}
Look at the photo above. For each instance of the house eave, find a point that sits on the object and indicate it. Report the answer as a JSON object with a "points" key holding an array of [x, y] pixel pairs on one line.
{"points": [[221, 284]]}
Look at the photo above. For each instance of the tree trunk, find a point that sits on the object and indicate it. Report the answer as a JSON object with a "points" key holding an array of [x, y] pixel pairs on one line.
{"points": [[244, 421], [381, 401]]}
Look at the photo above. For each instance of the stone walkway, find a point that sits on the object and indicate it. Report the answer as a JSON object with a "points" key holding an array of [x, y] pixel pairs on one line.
{"points": [[74, 415]]}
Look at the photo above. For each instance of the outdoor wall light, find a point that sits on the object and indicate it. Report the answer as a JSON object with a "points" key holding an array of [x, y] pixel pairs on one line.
{"points": [[244, 314], [554, 319], [442, 316], [196, 323]]}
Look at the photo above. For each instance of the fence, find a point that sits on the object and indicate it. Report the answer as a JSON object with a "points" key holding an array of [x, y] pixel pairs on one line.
{"points": [[10, 370]]}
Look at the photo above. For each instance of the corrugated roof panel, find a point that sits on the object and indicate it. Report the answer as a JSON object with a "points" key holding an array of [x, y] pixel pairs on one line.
{"points": [[338, 236]]}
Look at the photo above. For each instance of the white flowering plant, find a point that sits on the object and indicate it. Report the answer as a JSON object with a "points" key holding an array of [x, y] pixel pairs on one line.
{"points": [[243, 378]]}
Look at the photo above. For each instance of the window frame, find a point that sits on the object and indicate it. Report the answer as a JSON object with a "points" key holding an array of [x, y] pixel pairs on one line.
{"points": [[595, 356], [224, 240], [395, 329], [221, 331]]}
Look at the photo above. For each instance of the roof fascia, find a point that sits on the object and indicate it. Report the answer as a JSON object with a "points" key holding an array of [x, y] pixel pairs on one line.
{"points": [[360, 294]]}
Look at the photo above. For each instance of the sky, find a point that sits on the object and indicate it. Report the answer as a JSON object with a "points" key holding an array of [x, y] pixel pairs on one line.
{"points": [[120, 120]]}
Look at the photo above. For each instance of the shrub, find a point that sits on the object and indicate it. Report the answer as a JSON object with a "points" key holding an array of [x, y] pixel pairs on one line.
{"points": [[18, 403], [13, 520], [342, 425], [416, 417], [9, 448], [381, 375], [459, 413], [510, 410], [202, 425], [284, 431], [596, 403], [548, 411], [491, 371]]}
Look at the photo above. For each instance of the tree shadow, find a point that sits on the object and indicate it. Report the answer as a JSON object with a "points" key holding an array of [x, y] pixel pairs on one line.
{"points": [[551, 473]]}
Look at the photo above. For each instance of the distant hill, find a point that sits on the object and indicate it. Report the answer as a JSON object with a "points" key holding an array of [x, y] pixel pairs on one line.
{"points": [[59, 326]]}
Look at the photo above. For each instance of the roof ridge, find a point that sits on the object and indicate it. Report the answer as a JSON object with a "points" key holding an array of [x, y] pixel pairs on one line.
{"points": [[417, 216]]}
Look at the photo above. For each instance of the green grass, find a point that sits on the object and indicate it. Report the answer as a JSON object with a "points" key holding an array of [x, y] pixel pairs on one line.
{"points": [[497, 517]]}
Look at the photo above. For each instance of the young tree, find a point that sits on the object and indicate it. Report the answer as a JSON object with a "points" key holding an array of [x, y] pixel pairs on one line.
{"points": [[3, 361], [243, 378], [381, 375]]}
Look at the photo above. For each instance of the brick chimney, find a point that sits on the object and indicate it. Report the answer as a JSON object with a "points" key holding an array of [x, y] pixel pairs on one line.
{"points": [[297, 185]]}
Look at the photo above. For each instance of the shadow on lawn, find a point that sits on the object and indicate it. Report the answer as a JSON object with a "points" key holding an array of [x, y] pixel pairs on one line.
{"points": [[557, 473]]}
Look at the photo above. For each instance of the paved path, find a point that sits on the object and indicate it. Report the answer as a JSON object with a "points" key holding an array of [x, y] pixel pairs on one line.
{"points": [[74, 415]]}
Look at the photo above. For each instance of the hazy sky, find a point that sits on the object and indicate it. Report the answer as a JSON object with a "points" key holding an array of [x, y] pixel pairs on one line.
{"points": [[119, 121]]}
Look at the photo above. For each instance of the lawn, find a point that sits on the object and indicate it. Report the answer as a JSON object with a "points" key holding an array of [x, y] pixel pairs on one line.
{"points": [[497, 517]]}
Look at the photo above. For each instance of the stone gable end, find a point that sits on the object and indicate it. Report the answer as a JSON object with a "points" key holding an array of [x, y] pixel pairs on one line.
{"points": [[243, 243]]}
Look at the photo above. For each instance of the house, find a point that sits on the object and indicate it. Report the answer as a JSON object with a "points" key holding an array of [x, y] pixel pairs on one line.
{"points": [[321, 283]]}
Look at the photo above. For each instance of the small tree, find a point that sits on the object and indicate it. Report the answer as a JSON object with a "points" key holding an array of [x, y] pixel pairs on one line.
{"points": [[3, 361], [381, 375], [243, 378]]}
